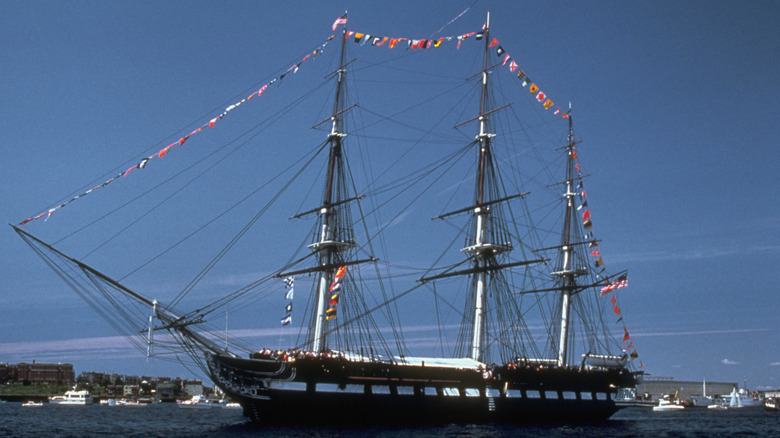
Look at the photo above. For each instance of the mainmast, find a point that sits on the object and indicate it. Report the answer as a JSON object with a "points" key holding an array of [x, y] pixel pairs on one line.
{"points": [[329, 244], [567, 272], [489, 239]]}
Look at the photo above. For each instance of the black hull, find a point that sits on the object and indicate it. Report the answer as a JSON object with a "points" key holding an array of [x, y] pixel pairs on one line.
{"points": [[316, 390]]}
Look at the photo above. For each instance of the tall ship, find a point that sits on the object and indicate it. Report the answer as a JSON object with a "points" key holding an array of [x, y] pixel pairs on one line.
{"points": [[518, 297]]}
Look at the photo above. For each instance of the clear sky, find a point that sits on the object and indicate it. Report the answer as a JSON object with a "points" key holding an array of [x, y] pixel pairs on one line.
{"points": [[674, 103]]}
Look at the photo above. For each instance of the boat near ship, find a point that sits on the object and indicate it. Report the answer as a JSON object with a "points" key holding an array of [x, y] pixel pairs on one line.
{"points": [[669, 402], [770, 404], [72, 398], [564, 364], [32, 404], [197, 402]]}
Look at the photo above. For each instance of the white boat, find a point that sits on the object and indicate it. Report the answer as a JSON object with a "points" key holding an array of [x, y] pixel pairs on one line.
{"points": [[231, 405], [738, 399], [747, 400], [72, 397], [32, 404], [196, 402], [667, 404], [131, 403]]}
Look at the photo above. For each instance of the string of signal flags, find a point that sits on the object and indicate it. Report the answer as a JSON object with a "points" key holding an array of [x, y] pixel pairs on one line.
{"points": [[607, 287], [506, 59], [360, 38]]}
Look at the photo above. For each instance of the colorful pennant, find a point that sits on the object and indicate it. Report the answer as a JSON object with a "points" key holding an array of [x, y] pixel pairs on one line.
{"points": [[335, 289], [411, 43]]}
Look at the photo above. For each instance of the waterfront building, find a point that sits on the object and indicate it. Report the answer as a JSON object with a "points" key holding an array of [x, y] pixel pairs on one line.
{"points": [[656, 388], [40, 373]]}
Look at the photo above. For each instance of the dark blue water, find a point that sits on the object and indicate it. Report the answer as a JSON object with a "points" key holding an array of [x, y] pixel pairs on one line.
{"points": [[167, 420]]}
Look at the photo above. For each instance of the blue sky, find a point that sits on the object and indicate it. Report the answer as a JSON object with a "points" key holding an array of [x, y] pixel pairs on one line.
{"points": [[674, 103]]}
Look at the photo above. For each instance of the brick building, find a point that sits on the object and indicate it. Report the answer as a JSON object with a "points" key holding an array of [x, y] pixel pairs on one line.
{"points": [[37, 373]]}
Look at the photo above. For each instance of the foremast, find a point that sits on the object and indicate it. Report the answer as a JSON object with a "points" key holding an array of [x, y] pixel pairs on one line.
{"points": [[567, 272], [482, 248], [331, 242]]}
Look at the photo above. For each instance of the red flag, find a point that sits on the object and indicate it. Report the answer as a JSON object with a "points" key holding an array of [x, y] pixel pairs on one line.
{"points": [[626, 338], [165, 150], [595, 252], [586, 215], [495, 41]]}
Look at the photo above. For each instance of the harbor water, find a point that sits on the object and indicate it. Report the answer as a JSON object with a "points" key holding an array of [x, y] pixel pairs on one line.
{"points": [[167, 420]]}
